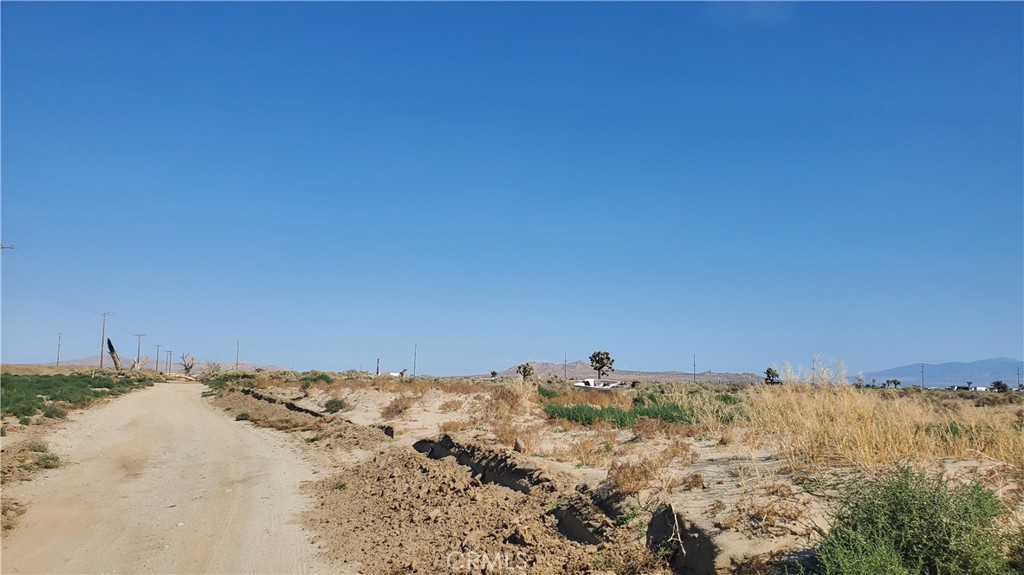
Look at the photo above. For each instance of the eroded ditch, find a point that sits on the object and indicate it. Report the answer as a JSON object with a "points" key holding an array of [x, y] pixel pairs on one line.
{"points": [[418, 510]]}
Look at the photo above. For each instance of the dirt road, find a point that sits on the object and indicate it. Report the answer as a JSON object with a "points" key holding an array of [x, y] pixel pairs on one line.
{"points": [[158, 481]]}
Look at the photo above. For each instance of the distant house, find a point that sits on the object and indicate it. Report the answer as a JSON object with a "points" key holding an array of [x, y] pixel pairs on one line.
{"points": [[979, 388]]}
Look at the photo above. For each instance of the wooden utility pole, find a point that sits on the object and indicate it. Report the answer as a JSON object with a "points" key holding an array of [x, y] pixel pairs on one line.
{"points": [[138, 352], [158, 346], [237, 344], [415, 352], [169, 366], [378, 366], [694, 368], [59, 336], [565, 364], [922, 376], [103, 336]]}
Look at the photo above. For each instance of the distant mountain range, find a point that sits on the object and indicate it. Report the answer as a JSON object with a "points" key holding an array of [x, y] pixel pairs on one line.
{"points": [[982, 372]]}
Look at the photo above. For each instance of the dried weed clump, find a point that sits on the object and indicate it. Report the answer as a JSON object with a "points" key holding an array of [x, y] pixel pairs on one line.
{"points": [[398, 406], [829, 425], [630, 477]]}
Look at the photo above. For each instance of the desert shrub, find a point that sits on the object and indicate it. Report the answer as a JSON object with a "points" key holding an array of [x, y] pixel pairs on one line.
{"points": [[54, 411], [36, 446], [315, 376], [334, 405], [48, 461], [243, 416], [398, 406], [218, 380], [906, 521], [3, 431], [25, 420], [451, 405], [631, 477]]}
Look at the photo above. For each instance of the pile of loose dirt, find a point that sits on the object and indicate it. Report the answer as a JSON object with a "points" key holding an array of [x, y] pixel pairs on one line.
{"points": [[402, 512], [262, 413]]}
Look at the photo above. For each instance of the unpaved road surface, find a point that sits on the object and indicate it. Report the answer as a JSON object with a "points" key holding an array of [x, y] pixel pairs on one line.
{"points": [[158, 481]]}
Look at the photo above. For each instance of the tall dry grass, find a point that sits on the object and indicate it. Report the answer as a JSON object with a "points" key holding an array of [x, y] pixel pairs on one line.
{"points": [[869, 428]]}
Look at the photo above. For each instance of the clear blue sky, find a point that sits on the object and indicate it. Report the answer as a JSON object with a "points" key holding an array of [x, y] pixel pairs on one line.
{"points": [[334, 182]]}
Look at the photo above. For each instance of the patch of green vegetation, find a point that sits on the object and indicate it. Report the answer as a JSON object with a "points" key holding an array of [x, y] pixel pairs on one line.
{"points": [[36, 446], [548, 392], [220, 379], [953, 430], [48, 461], [25, 395], [907, 523], [54, 411], [586, 414], [334, 405], [243, 416], [315, 376]]}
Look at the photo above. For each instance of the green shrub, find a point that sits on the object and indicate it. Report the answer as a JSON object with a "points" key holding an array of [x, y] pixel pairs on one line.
{"points": [[907, 522], [36, 446], [48, 461], [315, 376], [334, 405], [54, 411], [244, 416], [25, 420]]}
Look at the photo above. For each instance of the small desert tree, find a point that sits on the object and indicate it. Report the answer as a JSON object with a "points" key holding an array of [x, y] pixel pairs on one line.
{"points": [[601, 362], [1000, 386], [893, 382], [771, 376], [494, 374], [525, 370], [187, 363], [859, 382]]}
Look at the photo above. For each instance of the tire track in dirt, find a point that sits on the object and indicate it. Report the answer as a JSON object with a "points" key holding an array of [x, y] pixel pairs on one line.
{"points": [[158, 482]]}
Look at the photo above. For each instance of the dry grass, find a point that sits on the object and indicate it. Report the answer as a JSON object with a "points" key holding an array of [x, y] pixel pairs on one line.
{"points": [[398, 406], [595, 398], [655, 471], [451, 405], [869, 429], [456, 425], [631, 478], [593, 448]]}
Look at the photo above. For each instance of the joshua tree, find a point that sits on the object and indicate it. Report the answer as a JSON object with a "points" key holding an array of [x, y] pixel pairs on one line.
{"points": [[187, 362], [525, 370], [893, 382], [601, 362], [771, 376], [494, 374], [859, 381]]}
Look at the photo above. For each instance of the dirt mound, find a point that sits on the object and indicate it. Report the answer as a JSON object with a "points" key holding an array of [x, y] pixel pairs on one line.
{"points": [[403, 512]]}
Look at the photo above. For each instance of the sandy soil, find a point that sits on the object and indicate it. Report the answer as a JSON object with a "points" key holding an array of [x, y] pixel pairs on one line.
{"points": [[159, 482]]}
